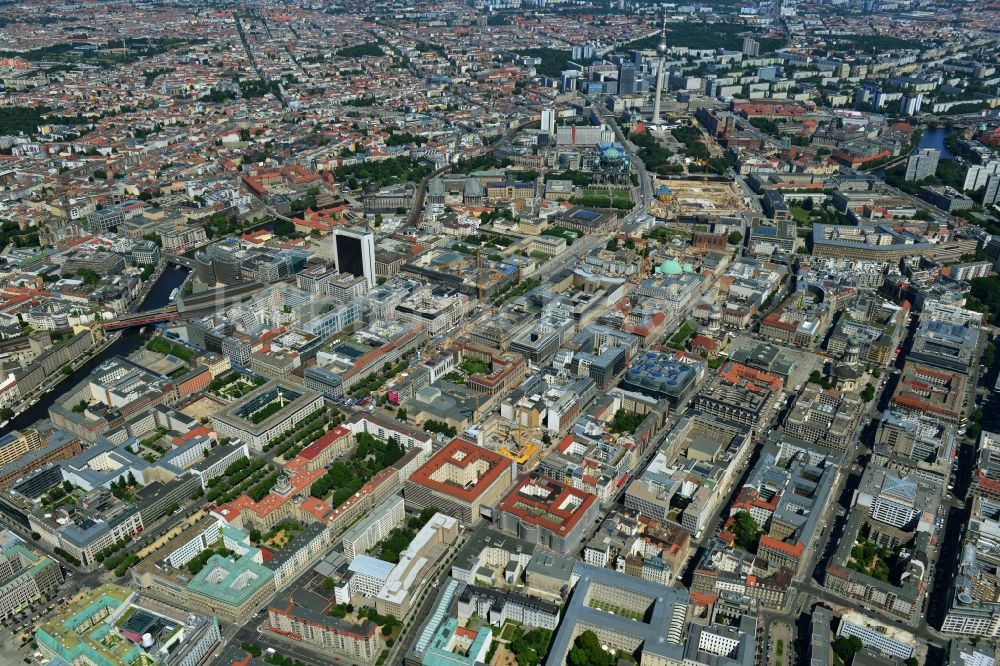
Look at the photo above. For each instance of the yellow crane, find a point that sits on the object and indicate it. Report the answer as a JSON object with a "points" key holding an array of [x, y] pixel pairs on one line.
{"points": [[525, 450]]}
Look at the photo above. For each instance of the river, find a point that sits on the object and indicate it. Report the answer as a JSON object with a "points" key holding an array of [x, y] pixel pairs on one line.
{"points": [[933, 137], [129, 341]]}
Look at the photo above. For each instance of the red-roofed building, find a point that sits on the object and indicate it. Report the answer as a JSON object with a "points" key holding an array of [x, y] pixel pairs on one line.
{"points": [[770, 109], [780, 554], [742, 394], [544, 511], [363, 640], [704, 345], [246, 514], [197, 431], [328, 446], [320, 221], [930, 391], [460, 480], [258, 237]]}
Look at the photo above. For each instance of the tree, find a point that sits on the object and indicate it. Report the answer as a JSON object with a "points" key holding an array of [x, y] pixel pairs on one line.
{"points": [[807, 204], [401, 414], [626, 422], [6, 413], [427, 514], [252, 649], [735, 238], [587, 651], [36, 536], [746, 530], [88, 276], [989, 355], [612, 245], [868, 394], [846, 647], [284, 228]]}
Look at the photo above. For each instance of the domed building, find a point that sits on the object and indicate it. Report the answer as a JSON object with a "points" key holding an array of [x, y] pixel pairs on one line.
{"points": [[611, 165], [669, 267]]}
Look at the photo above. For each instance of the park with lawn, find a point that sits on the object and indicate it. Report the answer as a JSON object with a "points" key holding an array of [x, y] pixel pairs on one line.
{"points": [[604, 198], [250, 475], [234, 385], [346, 477], [305, 432]]}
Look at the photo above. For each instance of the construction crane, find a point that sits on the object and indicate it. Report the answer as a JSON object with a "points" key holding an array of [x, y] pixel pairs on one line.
{"points": [[525, 450]]}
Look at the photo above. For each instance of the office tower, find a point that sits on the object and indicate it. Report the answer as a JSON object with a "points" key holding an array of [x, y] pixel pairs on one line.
{"points": [[661, 49], [354, 253], [922, 164], [751, 47], [627, 79], [549, 121]]}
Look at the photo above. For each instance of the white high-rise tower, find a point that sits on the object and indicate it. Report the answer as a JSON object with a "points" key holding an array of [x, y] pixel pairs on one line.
{"points": [[661, 49]]}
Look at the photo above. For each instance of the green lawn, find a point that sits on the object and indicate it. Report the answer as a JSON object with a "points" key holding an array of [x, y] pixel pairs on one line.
{"points": [[800, 214], [509, 630], [683, 333], [616, 610]]}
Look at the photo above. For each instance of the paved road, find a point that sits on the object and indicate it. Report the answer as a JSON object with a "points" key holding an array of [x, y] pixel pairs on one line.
{"points": [[749, 196], [645, 182], [421, 192]]}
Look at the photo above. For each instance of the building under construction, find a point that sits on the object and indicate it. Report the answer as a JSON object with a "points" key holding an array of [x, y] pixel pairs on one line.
{"points": [[475, 275]]}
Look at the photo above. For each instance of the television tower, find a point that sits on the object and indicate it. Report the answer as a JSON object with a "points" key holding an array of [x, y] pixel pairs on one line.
{"points": [[661, 50]]}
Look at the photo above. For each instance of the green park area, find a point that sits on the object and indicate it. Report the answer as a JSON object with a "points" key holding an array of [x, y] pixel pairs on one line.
{"points": [[345, 477]]}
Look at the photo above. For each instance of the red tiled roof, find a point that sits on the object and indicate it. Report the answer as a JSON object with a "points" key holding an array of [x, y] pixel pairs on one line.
{"points": [[548, 512], [323, 441], [793, 549], [460, 453]]}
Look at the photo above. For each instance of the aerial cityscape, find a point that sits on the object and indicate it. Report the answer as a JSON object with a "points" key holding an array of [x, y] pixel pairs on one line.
{"points": [[500, 333]]}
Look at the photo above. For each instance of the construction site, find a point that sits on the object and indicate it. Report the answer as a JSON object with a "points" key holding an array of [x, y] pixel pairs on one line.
{"points": [[475, 275], [696, 197], [522, 445]]}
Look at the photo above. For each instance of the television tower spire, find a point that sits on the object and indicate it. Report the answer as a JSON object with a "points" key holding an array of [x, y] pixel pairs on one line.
{"points": [[661, 50]]}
